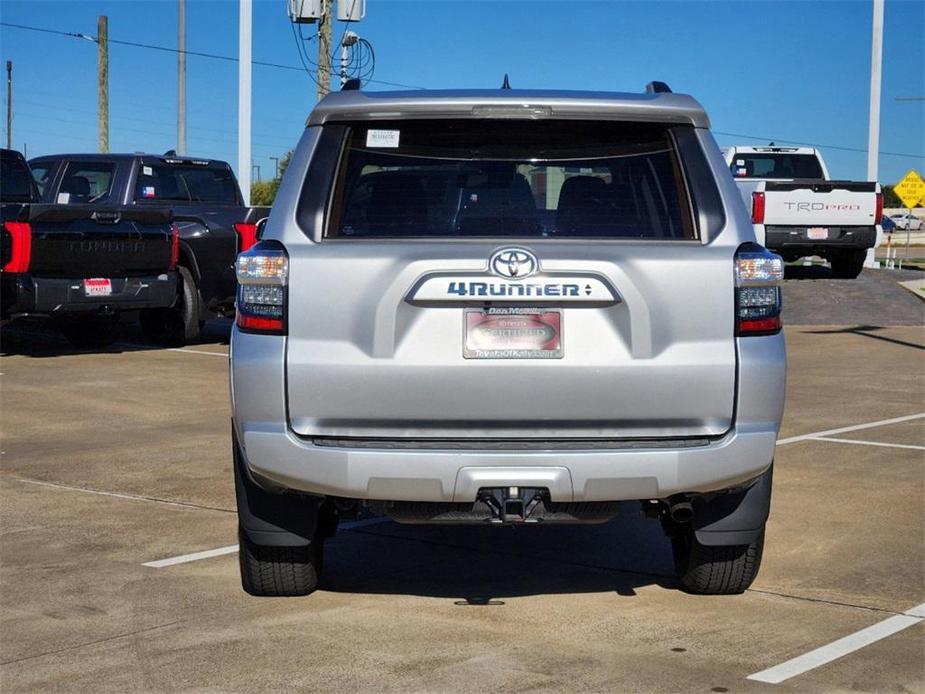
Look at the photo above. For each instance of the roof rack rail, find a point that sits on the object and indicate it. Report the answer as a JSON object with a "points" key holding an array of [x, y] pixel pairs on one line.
{"points": [[657, 88], [351, 85]]}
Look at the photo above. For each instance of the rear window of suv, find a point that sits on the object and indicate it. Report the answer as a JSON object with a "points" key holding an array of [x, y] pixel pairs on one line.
{"points": [[512, 178]]}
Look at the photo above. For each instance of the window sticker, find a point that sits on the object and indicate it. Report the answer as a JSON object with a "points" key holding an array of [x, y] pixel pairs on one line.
{"points": [[740, 162], [382, 138], [742, 171], [147, 192], [64, 198], [147, 171]]}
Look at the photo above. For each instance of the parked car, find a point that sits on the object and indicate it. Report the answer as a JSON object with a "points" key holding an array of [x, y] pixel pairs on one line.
{"points": [[907, 222], [206, 204], [506, 307], [799, 211], [81, 265]]}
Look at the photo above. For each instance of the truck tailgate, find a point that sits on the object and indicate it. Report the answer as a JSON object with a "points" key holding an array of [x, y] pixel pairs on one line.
{"points": [[819, 203], [81, 241]]}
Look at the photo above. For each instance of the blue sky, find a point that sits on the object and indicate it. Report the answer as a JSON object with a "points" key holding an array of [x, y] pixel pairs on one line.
{"points": [[783, 70]]}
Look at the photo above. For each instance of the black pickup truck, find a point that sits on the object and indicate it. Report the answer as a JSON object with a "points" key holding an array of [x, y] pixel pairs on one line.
{"points": [[207, 207], [81, 265]]}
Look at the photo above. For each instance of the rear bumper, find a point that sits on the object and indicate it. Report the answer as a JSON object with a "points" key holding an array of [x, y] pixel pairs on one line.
{"points": [[797, 238], [26, 294], [276, 454]]}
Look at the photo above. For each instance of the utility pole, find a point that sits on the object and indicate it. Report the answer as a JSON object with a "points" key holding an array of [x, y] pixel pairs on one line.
{"points": [[102, 78], [275, 161], [873, 137], [181, 77], [876, 61], [244, 99], [9, 104], [324, 49]]}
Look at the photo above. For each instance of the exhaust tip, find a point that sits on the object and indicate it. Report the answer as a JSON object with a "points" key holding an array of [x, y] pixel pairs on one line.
{"points": [[681, 512]]}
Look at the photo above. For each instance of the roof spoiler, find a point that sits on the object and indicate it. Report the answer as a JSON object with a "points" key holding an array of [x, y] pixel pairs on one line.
{"points": [[657, 88]]}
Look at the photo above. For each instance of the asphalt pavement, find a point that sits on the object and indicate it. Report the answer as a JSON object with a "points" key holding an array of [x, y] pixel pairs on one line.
{"points": [[119, 573]]}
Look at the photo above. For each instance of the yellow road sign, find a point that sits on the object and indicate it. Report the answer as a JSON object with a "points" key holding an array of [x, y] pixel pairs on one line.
{"points": [[911, 190]]}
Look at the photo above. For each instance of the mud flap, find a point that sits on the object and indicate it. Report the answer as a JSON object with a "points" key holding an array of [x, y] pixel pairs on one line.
{"points": [[736, 518], [278, 520]]}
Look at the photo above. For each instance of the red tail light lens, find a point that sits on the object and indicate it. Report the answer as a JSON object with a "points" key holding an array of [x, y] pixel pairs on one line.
{"points": [[247, 236], [174, 246], [878, 216], [758, 274], [20, 246], [263, 276], [757, 208]]}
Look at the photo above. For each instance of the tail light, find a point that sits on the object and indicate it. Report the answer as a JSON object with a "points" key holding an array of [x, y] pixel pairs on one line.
{"points": [[878, 216], [758, 274], [247, 236], [263, 276], [174, 246], [20, 251], [757, 208]]}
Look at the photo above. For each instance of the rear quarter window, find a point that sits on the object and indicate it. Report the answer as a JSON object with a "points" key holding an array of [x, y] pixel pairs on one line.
{"points": [[507, 178]]}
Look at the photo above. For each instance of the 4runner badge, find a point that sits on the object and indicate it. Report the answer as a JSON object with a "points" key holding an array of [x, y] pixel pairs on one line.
{"points": [[513, 277]]}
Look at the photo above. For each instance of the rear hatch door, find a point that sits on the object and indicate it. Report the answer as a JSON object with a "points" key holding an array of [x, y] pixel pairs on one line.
{"points": [[631, 312]]}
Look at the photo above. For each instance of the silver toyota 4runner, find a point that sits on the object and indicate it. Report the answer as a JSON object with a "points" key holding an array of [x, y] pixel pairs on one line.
{"points": [[508, 307]]}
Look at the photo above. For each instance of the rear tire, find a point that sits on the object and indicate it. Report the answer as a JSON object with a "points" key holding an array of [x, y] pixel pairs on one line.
{"points": [[848, 266], [721, 570], [180, 324], [89, 332], [279, 571]]}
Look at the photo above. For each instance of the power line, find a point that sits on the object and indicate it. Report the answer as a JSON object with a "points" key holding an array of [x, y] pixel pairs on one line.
{"points": [[816, 144], [167, 49], [304, 68]]}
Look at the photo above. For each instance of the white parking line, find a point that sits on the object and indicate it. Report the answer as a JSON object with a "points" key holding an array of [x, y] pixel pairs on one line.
{"points": [[842, 647], [117, 495], [134, 346], [195, 556], [868, 443], [198, 351], [231, 549], [844, 430]]}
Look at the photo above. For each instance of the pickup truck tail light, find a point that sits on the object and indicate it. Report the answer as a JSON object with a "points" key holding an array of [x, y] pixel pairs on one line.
{"points": [[263, 278], [878, 216], [20, 246], [174, 246], [758, 274], [247, 235], [757, 208]]}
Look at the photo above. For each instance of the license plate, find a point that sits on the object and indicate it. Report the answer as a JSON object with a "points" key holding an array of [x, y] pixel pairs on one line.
{"points": [[817, 233], [97, 286], [513, 333]]}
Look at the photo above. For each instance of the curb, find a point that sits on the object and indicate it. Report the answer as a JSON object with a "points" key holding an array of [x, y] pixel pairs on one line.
{"points": [[917, 287]]}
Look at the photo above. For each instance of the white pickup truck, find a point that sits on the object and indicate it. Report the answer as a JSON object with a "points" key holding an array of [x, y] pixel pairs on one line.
{"points": [[798, 211]]}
